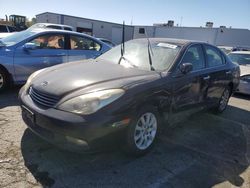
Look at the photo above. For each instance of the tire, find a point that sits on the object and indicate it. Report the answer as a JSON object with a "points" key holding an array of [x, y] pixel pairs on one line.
{"points": [[3, 80], [142, 131], [223, 102]]}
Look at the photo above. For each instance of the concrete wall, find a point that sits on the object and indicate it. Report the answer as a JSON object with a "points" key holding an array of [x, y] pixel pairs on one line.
{"points": [[216, 36], [200, 34], [100, 29], [233, 37], [113, 31]]}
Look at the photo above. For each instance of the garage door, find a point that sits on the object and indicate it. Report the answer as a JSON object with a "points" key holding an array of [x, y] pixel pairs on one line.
{"points": [[116, 35]]}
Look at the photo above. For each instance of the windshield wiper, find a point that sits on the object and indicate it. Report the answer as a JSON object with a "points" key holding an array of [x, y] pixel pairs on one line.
{"points": [[122, 45], [127, 61], [149, 55]]}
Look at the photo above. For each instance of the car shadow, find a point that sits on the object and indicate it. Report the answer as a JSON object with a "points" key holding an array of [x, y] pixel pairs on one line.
{"points": [[201, 151], [9, 97]]}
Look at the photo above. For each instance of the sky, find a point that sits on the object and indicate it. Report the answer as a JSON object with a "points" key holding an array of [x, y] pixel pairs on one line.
{"points": [[189, 13]]}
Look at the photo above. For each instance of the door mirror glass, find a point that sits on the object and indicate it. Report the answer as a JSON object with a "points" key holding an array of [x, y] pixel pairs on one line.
{"points": [[29, 46], [186, 67]]}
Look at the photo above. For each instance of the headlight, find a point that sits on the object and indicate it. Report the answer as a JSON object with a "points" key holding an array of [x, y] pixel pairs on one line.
{"points": [[91, 102], [33, 75]]}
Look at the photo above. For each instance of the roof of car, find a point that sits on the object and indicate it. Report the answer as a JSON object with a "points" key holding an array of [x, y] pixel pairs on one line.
{"points": [[180, 42], [240, 52], [40, 30], [48, 24]]}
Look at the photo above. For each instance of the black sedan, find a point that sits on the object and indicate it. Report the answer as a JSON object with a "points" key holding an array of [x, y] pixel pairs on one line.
{"points": [[121, 95]]}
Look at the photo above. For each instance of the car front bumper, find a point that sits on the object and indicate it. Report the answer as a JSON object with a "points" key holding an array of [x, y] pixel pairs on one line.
{"points": [[72, 131]]}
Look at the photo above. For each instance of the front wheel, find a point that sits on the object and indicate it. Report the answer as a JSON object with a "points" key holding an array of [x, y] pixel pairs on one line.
{"points": [[142, 131], [3, 80]]}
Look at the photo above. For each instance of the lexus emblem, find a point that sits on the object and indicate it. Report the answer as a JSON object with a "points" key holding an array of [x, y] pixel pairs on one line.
{"points": [[45, 83]]}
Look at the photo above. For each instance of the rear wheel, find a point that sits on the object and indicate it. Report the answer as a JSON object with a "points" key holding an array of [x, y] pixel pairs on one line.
{"points": [[142, 131], [223, 100], [3, 80]]}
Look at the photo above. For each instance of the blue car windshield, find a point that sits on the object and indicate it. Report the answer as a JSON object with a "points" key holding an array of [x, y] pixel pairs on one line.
{"points": [[16, 38], [136, 55]]}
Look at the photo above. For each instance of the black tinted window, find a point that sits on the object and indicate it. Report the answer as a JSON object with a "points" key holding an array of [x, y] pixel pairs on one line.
{"points": [[12, 29], [83, 43], [53, 41], [213, 56], [3, 29], [67, 28], [53, 27], [195, 56]]}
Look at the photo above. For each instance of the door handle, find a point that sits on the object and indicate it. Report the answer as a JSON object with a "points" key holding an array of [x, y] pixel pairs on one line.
{"points": [[206, 78], [228, 72]]}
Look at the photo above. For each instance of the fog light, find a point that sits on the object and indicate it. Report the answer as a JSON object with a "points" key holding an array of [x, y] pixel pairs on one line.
{"points": [[76, 141]]}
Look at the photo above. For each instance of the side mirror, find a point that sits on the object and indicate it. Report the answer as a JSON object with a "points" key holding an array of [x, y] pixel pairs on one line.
{"points": [[186, 67], [29, 46]]}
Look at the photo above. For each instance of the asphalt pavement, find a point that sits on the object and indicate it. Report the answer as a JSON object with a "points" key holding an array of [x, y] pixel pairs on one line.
{"points": [[202, 150]]}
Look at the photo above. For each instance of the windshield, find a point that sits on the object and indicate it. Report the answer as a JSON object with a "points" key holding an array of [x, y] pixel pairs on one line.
{"points": [[16, 38], [136, 55], [241, 59]]}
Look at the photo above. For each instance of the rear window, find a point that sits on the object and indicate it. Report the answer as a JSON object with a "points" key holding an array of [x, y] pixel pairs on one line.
{"points": [[54, 27], [214, 57], [67, 28]]}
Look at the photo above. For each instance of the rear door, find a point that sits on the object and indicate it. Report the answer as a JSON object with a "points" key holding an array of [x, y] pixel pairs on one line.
{"points": [[49, 51], [189, 90], [217, 73], [82, 48]]}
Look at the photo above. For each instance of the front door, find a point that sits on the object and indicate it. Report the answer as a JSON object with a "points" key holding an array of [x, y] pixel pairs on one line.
{"points": [[49, 50], [189, 89]]}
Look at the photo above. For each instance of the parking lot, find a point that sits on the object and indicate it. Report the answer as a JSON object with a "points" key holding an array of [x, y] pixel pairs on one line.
{"points": [[204, 150]]}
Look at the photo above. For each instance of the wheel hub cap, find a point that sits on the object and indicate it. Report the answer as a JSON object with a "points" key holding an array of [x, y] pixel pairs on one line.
{"points": [[145, 130]]}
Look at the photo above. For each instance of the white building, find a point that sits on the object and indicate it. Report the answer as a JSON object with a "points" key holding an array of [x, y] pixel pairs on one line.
{"points": [[96, 28], [216, 36], [112, 31]]}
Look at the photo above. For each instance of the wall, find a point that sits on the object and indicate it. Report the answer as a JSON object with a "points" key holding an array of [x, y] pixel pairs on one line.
{"points": [[100, 29]]}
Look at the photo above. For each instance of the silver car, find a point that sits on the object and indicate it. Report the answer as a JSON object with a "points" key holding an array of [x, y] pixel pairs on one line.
{"points": [[243, 59]]}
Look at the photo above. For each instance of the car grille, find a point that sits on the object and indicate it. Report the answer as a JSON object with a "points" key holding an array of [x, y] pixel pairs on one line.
{"points": [[45, 100]]}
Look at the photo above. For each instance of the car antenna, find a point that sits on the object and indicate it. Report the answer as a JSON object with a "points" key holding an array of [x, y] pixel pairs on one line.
{"points": [[123, 43], [150, 51]]}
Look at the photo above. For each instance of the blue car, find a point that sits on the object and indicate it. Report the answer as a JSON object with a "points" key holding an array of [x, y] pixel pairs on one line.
{"points": [[24, 52]]}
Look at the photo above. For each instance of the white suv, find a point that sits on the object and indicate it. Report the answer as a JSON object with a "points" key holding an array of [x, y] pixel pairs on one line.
{"points": [[53, 26]]}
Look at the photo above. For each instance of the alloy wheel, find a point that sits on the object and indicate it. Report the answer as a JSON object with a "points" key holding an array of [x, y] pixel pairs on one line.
{"points": [[145, 130]]}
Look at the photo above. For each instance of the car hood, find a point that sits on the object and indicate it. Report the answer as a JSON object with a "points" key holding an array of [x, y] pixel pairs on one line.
{"points": [[244, 70], [66, 78]]}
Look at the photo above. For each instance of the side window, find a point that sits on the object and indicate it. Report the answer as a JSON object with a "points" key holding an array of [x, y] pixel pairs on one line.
{"points": [[82, 43], [3, 29], [49, 41], [12, 29], [67, 28], [213, 57], [195, 56], [54, 27]]}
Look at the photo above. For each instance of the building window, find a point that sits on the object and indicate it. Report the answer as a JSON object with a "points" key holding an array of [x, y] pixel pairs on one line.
{"points": [[84, 30], [142, 30]]}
